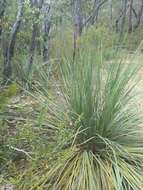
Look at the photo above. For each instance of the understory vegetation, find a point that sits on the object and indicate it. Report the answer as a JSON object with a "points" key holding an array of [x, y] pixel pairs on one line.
{"points": [[71, 108]]}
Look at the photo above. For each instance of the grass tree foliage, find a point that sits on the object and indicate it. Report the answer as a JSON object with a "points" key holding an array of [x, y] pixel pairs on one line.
{"points": [[107, 145]]}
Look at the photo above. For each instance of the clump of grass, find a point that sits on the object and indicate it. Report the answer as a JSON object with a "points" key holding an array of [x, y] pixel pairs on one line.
{"points": [[97, 105]]}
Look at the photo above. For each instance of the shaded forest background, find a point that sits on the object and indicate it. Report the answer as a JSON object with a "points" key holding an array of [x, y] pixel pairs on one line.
{"points": [[42, 30]]}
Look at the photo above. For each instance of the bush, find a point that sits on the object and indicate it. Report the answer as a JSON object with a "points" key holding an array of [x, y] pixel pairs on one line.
{"points": [[107, 147], [132, 40], [99, 39]]}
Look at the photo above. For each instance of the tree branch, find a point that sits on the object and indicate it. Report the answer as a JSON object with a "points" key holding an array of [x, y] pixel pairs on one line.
{"points": [[20, 151], [91, 18]]}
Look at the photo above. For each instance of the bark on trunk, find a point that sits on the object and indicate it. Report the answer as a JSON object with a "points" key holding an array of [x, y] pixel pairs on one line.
{"points": [[93, 18], [78, 23], [96, 15], [8, 55], [118, 20], [139, 15], [123, 19], [47, 26], [111, 13], [130, 29], [35, 31], [2, 11]]}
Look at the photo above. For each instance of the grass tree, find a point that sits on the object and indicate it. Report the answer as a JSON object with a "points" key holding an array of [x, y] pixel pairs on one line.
{"points": [[107, 145]]}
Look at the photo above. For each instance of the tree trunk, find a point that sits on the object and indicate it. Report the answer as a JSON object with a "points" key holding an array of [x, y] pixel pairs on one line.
{"points": [[111, 13], [118, 20], [139, 15], [130, 29], [123, 19], [95, 15], [35, 31], [93, 18], [135, 14], [78, 23], [8, 55], [2, 11], [47, 26]]}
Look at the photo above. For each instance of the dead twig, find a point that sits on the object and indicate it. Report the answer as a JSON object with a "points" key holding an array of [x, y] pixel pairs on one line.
{"points": [[21, 151]]}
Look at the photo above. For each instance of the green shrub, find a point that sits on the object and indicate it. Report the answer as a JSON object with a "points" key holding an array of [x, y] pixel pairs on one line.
{"points": [[6, 93], [132, 40], [58, 45], [99, 38], [107, 145]]}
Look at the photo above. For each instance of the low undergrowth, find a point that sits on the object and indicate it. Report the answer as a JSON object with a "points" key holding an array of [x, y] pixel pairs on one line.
{"points": [[83, 134]]}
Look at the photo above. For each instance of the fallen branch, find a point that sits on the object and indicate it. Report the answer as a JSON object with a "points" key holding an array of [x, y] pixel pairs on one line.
{"points": [[21, 151]]}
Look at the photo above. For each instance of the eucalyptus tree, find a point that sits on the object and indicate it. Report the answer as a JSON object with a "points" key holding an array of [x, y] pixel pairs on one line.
{"points": [[47, 9], [2, 11], [79, 19], [139, 15], [124, 10], [36, 5], [78, 22], [9, 51], [130, 16], [111, 12]]}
